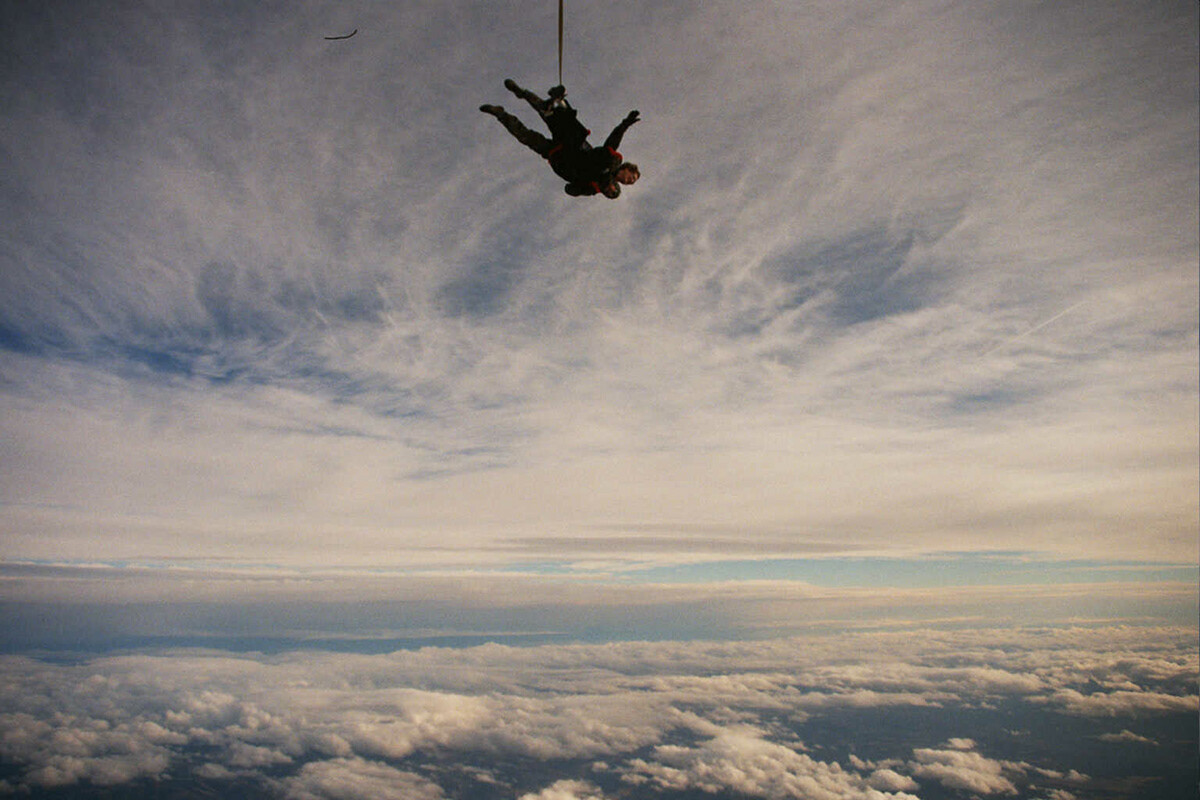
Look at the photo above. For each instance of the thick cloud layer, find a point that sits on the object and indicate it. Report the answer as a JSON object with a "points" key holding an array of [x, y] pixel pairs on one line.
{"points": [[765, 719]]}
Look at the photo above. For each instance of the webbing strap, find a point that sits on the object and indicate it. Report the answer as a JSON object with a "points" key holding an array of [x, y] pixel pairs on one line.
{"points": [[560, 38]]}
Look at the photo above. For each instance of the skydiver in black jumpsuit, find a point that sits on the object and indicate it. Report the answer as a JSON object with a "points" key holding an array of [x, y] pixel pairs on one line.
{"points": [[587, 170]]}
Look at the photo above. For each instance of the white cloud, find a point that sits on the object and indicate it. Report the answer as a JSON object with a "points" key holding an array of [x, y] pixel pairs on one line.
{"points": [[1126, 735], [357, 779], [958, 769], [355, 341], [246, 756], [567, 790], [665, 714], [74, 747], [1059, 794], [888, 780], [65, 770], [271, 315], [739, 760], [1114, 704]]}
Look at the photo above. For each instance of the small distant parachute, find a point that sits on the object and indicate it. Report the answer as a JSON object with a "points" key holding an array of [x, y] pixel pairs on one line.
{"points": [[338, 38]]}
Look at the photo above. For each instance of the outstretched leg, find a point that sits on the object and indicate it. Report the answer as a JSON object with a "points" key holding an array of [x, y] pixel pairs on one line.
{"points": [[539, 105], [531, 139]]}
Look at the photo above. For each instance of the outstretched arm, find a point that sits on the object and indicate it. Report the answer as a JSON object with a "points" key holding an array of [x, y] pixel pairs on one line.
{"points": [[614, 139]]}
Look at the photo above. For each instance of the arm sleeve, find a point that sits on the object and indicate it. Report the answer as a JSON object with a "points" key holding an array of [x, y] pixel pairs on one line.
{"points": [[614, 139]]}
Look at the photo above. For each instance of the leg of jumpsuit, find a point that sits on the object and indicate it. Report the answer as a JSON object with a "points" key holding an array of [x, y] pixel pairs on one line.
{"points": [[565, 128], [531, 139], [539, 105]]}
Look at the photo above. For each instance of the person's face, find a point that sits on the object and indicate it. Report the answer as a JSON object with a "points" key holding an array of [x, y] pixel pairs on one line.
{"points": [[627, 174]]}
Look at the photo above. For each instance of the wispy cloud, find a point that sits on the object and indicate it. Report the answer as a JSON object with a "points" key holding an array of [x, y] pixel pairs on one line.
{"points": [[265, 295]]}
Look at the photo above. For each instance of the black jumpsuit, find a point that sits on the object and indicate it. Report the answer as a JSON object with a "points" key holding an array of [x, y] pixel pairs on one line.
{"points": [[586, 169]]}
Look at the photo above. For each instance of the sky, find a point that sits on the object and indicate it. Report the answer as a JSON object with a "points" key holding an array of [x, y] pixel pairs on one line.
{"points": [[300, 353]]}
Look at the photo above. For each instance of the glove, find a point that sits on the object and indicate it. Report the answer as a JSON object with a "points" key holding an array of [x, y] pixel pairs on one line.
{"points": [[631, 118]]}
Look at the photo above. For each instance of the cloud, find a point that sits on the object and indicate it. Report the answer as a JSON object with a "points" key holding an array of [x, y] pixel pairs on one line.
{"points": [[958, 769], [1115, 704], [739, 760], [705, 716], [1059, 794], [62, 770], [888, 780], [276, 302], [567, 790], [1126, 736], [357, 779], [297, 349]]}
